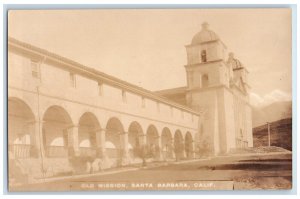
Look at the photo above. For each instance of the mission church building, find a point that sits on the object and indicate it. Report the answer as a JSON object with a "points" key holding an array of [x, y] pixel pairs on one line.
{"points": [[58, 108], [218, 89]]}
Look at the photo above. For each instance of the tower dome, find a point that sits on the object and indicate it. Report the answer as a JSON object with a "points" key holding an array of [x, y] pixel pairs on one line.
{"points": [[205, 35]]}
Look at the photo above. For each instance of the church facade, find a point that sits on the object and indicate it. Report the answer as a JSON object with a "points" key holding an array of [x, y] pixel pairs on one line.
{"points": [[58, 109], [217, 88]]}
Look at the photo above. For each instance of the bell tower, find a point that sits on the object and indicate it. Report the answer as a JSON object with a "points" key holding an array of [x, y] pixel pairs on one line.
{"points": [[206, 66], [208, 85]]}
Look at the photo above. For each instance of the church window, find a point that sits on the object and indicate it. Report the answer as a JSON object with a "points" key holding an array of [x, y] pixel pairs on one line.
{"points": [[35, 69], [143, 102], [204, 81], [124, 96], [100, 88], [72, 80], [157, 106], [203, 56]]}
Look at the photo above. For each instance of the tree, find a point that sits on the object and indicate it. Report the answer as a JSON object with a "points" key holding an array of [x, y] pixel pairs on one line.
{"points": [[204, 148], [143, 152]]}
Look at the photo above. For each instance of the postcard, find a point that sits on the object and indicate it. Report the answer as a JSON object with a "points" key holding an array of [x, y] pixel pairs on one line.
{"points": [[149, 99]]}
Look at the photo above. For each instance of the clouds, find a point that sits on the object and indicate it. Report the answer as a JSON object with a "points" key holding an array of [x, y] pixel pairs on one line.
{"points": [[274, 96]]}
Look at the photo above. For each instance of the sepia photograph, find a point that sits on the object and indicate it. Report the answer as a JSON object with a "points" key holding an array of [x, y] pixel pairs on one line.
{"points": [[149, 99]]}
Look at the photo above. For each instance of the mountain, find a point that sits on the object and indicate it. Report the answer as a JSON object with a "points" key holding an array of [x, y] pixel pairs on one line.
{"points": [[272, 112], [271, 97]]}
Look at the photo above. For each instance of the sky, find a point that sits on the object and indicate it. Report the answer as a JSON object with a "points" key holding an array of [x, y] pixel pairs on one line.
{"points": [[147, 47]]}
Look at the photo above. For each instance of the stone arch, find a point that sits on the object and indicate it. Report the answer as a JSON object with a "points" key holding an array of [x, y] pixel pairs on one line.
{"points": [[178, 145], [30, 102], [21, 131], [88, 125], [152, 135], [19, 108], [167, 143], [72, 110], [56, 122], [114, 139], [78, 111], [135, 139], [189, 149], [152, 141]]}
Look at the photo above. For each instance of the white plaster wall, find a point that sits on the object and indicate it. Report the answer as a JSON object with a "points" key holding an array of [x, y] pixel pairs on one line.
{"points": [[222, 120], [87, 86], [19, 72], [214, 125], [243, 117], [230, 120], [206, 101], [249, 125], [216, 74], [55, 89]]}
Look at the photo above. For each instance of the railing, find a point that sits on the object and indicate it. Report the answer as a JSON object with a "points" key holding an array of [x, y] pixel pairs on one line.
{"points": [[56, 151], [19, 150], [87, 151]]}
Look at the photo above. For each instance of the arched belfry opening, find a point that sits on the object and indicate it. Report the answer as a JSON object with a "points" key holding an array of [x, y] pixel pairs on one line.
{"points": [[203, 56]]}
